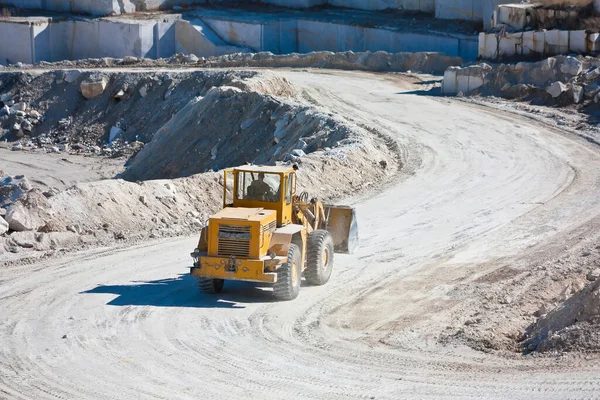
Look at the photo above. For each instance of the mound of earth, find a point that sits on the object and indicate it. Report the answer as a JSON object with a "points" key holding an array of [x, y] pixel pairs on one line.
{"points": [[193, 123], [573, 325]]}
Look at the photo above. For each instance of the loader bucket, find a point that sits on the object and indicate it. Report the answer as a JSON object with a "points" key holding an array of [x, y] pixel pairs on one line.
{"points": [[341, 223]]}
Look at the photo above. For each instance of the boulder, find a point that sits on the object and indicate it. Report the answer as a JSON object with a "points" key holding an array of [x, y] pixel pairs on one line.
{"points": [[571, 66], [191, 58], [26, 126], [298, 153], [3, 226], [26, 239], [592, 75], [591, 90], [6, 97], [21, 106], [28, 214], [71, 76], [20, 218], [593, 275], [91, 88], [13, 189], [556, 89], [115, 132], [577, 91], [130, 60]]}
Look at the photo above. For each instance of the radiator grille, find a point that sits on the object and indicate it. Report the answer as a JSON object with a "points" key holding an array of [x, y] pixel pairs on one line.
{"points": [[270, 227], [234, 240]]}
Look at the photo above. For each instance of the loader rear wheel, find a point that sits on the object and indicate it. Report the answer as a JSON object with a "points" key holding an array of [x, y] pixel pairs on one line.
{"points": [[210, 286], [319, 258], [289, 276]]}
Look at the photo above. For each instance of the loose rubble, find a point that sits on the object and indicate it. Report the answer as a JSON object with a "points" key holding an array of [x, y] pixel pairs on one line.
{"points": [[560, 80], [211, 120]]}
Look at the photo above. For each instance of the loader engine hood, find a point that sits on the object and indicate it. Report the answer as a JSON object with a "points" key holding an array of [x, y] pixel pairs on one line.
{"points": [[241, 232]]}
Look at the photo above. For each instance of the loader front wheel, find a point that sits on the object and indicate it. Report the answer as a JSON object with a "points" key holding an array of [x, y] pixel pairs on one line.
{"points": [[319, 262], [289, 276], [210, 286]]}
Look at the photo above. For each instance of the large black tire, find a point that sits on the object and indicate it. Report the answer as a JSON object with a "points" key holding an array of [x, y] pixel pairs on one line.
{"points": [[210, 286], [319, 262], [289, 276]]}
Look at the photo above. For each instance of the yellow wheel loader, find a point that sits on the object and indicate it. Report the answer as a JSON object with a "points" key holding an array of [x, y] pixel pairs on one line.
{"points": [[267, 233]]}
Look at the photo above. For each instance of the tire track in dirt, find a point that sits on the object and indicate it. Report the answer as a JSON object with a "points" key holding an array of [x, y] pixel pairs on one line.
{"points": [[139, 328]]}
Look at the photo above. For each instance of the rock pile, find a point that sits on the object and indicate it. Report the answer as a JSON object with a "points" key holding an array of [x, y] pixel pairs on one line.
{"points": [[381, 61], [17, 118], [573, 325], [559, 80], [209, 121]]}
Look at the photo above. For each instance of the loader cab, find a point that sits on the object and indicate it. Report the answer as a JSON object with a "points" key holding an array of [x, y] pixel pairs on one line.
{"points": [[271, 188]]}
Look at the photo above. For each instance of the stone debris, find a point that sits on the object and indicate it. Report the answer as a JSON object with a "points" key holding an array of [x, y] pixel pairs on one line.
{"points": [[556, 89], [298, 153], [567, 326], [27, 126], [91, 88], [3, 226], [191, 59], [571, 66], [6, 97], [593, 275], [115, 132], [120, 94], [71, 76], [192, 123], [577, 91], [21, 106], [558, 80], [20, 218], [130, 60], [592, 75]]}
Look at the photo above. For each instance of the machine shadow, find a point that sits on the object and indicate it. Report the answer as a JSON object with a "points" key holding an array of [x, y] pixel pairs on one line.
{"points": [[433, 92], [183, 292]]}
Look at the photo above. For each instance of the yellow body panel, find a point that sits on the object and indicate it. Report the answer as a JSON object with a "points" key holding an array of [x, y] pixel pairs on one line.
{"points": [[245, 270], [241, 232], [249, 239]]}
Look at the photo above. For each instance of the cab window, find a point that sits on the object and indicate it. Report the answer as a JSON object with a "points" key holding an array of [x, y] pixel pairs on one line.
{"points": [[258, 186]]}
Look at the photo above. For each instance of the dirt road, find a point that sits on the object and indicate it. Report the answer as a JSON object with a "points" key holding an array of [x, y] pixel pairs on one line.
{"points": [[479, 190], [57, 170]]}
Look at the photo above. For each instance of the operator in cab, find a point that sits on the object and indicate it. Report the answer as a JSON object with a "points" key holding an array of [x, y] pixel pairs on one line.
{"points": [[259, 189]]}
